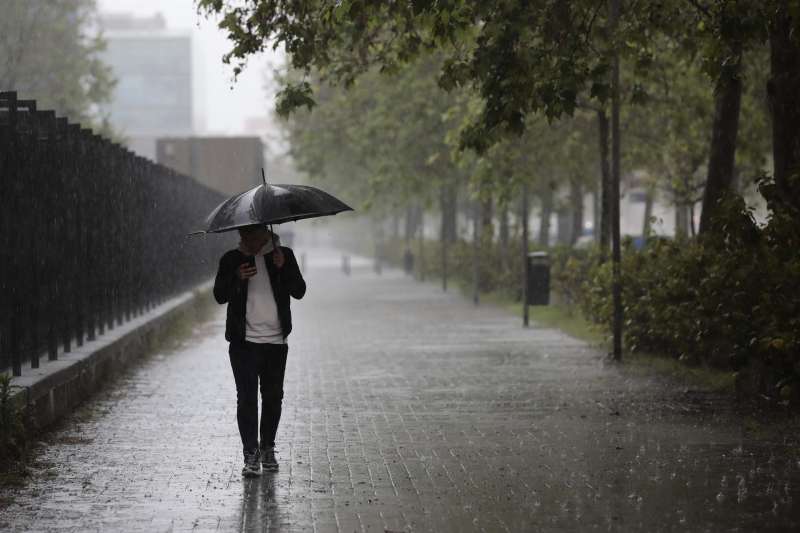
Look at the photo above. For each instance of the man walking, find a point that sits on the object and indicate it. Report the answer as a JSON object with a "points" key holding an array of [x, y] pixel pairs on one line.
{"points": [[256, 281]]}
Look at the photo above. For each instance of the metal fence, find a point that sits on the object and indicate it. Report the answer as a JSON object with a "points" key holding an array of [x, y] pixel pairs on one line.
{"points": [[91, 234]]}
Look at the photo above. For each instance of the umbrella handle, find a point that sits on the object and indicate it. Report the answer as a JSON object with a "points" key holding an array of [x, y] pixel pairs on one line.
{"points": [[272, 236], [274, 249]]}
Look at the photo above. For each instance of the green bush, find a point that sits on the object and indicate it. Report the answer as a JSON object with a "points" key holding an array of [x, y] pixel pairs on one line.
{"points": [[728, 299], [12, 429]]}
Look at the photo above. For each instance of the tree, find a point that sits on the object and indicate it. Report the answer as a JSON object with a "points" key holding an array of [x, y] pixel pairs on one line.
{"points": [[521, 57], [386, 141], [526, 58], [48, 53], [784, 98]]}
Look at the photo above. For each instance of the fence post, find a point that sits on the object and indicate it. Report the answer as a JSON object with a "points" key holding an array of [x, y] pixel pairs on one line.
{"points": [[14, 341], [10, 331], [93, 322], [47, 260], [31, 268], [77, 292]]}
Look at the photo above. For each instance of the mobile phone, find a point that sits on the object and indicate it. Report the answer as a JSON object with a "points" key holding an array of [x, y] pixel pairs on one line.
{"points": [[251, 260]]}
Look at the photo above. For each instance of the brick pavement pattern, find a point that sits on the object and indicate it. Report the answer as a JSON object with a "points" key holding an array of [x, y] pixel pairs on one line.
{"points": [[407, 409]]}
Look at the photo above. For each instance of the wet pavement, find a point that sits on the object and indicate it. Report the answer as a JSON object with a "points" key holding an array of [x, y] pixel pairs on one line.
{"points": [[407, 409]]}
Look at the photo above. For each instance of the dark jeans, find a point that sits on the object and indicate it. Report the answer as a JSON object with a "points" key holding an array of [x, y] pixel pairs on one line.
{"points": [[252, 362]]}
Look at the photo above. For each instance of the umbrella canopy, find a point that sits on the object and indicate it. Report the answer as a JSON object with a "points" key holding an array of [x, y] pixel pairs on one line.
{"points": [[272, 204]]}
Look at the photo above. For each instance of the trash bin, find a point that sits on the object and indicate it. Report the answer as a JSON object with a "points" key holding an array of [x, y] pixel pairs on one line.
{"points": [[538, 278], [408, 262]]}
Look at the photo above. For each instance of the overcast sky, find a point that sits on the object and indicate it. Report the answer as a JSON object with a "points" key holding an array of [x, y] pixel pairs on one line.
{"points": [[221, 106]]}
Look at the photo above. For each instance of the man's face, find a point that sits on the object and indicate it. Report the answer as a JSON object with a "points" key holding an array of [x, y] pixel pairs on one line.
{"points": [[254, 237]]}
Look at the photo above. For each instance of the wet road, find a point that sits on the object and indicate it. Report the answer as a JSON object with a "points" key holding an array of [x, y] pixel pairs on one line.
{"points": [[409, 410]]}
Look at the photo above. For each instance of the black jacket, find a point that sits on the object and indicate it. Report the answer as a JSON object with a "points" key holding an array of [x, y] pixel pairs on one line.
{"points": [[228, 288]]}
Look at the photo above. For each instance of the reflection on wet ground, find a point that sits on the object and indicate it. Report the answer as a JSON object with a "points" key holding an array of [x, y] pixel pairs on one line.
{"points": [[410, 410], [260, 509]]}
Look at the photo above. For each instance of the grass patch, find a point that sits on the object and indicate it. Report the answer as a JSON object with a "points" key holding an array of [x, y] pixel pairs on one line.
{"points": [[568, 321], [15, 477], [701, 377], [549, 316]]}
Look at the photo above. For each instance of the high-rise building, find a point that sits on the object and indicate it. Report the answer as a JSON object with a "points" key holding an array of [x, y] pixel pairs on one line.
{"points": [[153, 67]]}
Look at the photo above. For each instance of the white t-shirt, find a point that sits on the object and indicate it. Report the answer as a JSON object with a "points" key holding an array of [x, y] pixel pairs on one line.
{"points": [[262, 324]]}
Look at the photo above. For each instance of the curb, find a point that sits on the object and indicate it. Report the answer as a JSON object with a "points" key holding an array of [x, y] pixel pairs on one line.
{"points": [[56, 388]]}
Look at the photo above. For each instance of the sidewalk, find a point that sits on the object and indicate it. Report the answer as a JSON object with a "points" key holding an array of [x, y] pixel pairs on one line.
{"points": [[407, 409]]}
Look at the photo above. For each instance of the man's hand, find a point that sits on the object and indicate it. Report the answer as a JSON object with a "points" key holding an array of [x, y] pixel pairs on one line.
{"points": [[246, 271], [278, 258]]}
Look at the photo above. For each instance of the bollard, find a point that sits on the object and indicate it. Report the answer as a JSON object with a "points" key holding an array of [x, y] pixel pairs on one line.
{"points": [[346, 265], [378, 265], [303, 262]]}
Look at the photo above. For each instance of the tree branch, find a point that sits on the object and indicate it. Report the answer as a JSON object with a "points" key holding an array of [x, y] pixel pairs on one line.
{"points": [[701, 8]]}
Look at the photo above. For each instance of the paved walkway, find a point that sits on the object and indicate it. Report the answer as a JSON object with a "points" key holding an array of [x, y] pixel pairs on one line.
{"points": [[408, 410]]}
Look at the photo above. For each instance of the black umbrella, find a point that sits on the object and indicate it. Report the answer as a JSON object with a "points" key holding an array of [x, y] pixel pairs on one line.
{"points": [[272, 204]]}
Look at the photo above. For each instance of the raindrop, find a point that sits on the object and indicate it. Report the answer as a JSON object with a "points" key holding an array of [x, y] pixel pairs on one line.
{"points": [[741, 491]]}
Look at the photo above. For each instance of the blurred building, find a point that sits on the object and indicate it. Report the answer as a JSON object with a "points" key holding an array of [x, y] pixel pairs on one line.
{"points": [[153, 68], [227, 164]]}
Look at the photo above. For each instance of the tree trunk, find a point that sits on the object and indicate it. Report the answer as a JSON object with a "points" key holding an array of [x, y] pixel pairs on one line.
{"points": [[681, 221], [395, 225], [725, 128], [524, 221], [505, 252], [487, 218], [411, 222], [784, 97], [504, 230], [616, 253], [648, 214], [447, 204], [476, 246], [546, 213], [604, 230], [563, 225], [450, 213], [576, 209], [596, 215], [421, 259]]}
